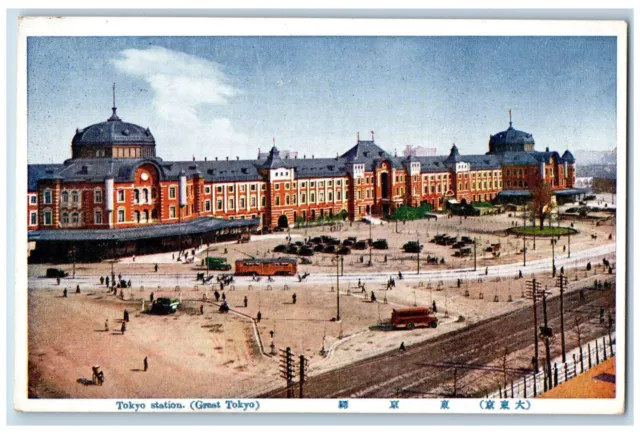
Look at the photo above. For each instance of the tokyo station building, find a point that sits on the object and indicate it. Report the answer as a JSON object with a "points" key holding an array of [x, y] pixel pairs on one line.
{"points": [[114, 196]]}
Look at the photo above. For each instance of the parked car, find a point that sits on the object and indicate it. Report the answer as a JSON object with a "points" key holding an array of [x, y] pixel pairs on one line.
{"points": [[292, 249], [360, 245], [380, 244], [348, 243], [56, 272], [330, 249], [305, 251], [318, 248], [412, 247], [316, 240], [344, 251], [281, 248]]}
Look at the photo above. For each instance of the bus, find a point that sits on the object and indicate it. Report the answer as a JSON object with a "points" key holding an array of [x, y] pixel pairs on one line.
{"points": [[411, 317], [267, 267]]}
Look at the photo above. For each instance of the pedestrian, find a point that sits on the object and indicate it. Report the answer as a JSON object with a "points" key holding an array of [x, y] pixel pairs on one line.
{"points": [[78, 289], [486, 271], [101, 280], [64, 293], [107, 281], [246, 301], [259, 316], [435, 308], [582, 295], [146, 364], [564, 248], [399, 275], [123, 328], [520, 274], [202, 309], [221, 286], [224, 297], [459, 283], [364, 290], [173, 256], [402, 347], [129, 283], [106, 325], [120, 276], [151, 297], [373, 297], [134, 258], [58, 281], [217, 295], [562, 270], [294, 297], [126, 315], [156, 268], [359, 283], [602, 315]]}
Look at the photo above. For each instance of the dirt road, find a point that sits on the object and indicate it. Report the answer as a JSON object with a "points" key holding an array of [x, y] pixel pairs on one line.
{"points": [[412, 373]]}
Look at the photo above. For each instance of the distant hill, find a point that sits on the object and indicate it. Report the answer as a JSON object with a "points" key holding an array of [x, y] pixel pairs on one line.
{"points": [[586, 157]]}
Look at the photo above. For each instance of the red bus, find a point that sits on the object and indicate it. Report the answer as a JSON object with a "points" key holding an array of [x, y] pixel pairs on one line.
{"points": [[267, 267], [413, 317]]}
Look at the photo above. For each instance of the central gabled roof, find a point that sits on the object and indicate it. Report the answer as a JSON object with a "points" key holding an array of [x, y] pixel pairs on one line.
{"points": [[365, 150]]}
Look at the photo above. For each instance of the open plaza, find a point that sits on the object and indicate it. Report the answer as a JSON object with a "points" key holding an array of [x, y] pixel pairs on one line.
{"points": [[199, 351]]}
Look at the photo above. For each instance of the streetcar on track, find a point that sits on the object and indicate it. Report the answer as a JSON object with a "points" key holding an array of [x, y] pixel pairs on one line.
{"points": [[266, 267]]}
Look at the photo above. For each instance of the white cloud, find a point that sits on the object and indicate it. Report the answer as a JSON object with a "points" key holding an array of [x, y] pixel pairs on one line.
{"points": [[182, 84]]}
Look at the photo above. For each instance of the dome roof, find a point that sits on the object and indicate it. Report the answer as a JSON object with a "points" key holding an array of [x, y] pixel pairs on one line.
{"points": [[511, 137], [113, 132]]}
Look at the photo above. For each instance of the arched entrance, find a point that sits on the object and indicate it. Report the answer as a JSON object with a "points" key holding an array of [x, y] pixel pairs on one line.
{"points": [[384, 184], [283, 222]]}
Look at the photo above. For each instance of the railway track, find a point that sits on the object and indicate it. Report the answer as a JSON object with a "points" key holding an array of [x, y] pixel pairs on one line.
{"points": [[396, 374]]}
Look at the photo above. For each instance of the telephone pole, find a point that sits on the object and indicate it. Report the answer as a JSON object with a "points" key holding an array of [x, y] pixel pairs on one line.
{"points": [[562, 283], [533, 291], [546, 334], [553, 257], [287, 369], [370, 242], [303, 374], [524, 251], [475, 262], [338, 287], [418, 256]]}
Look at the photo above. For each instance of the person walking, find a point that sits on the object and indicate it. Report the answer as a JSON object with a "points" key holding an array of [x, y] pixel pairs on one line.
{"points": [[78, 289], [58, 281], [435, 308], [126, 315], [373, 297], [224, 297], [259, 316], [146, 364], [151, 297], [101, 280], [403, 348], [486, 271], [123, 328], [246, 301], [156, 268], [294, 298], [217, 295], [64, 293], [202, 309], [134, 258], [107, 281], [106, 325]]}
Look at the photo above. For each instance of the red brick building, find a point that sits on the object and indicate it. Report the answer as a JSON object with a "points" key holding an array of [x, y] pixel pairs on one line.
{"points": [[114, 181]]}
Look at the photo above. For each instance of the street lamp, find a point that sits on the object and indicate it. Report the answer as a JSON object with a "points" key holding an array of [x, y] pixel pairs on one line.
{"points": [[370, 242]]}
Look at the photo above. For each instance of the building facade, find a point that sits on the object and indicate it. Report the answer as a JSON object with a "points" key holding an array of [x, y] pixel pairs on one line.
{"points": [[114, 180]]}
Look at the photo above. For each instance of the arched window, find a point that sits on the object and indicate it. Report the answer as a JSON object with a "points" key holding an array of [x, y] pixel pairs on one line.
{"points": [[136, 196], [145, 194], [74, 197], [154, 214], [65, 197], [145, 215], [137, 216], [277, 200], [65, 218], [75, 218]]}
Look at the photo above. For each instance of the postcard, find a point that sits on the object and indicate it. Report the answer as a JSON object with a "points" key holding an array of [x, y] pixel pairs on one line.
{"points": [[321, 216]]}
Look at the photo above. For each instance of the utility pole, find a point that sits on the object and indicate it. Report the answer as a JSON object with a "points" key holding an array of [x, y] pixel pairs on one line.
{"points": [[287, 369], [418, 256], [475, 262], [546, 333], [553, 257], [303, 374], [533, 292], [562, 282], [338, 287], [524, 251], [569, 253], [371, 241]]}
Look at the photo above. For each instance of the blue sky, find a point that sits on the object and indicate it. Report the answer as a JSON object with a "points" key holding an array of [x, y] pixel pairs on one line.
{"points": [[229, 96]]}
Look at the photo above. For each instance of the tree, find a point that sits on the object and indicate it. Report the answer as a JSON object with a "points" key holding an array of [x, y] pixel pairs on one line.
{"points": [[541, 203]]}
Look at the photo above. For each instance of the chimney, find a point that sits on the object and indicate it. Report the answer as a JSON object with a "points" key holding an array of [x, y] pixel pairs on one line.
{"points": [[227, 158], [313, 156], [216, 158], [296, 157], [547, 149], [304, 157], [205, 158], [237, 158], [258, 153], [358, 136]]}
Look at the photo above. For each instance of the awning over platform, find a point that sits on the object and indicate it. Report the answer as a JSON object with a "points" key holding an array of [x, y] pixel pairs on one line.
{"points": [[194, 227]]}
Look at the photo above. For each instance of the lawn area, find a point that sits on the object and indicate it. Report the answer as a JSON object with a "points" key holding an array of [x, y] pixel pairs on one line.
{"points": [[546, 231]]}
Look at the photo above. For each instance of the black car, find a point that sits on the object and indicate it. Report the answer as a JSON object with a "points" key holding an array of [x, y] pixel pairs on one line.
{"points": [[318, 248], [344, 251], [412, 247], [280, 248], [56, 272], [305, 251], [348, 242], [292, 249], [316, 240], [380, 244], [330, 249], [360, 245]]}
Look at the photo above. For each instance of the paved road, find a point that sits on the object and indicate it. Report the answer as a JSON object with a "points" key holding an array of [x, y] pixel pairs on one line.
{"points": [[396, 374], [578, 259]]}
